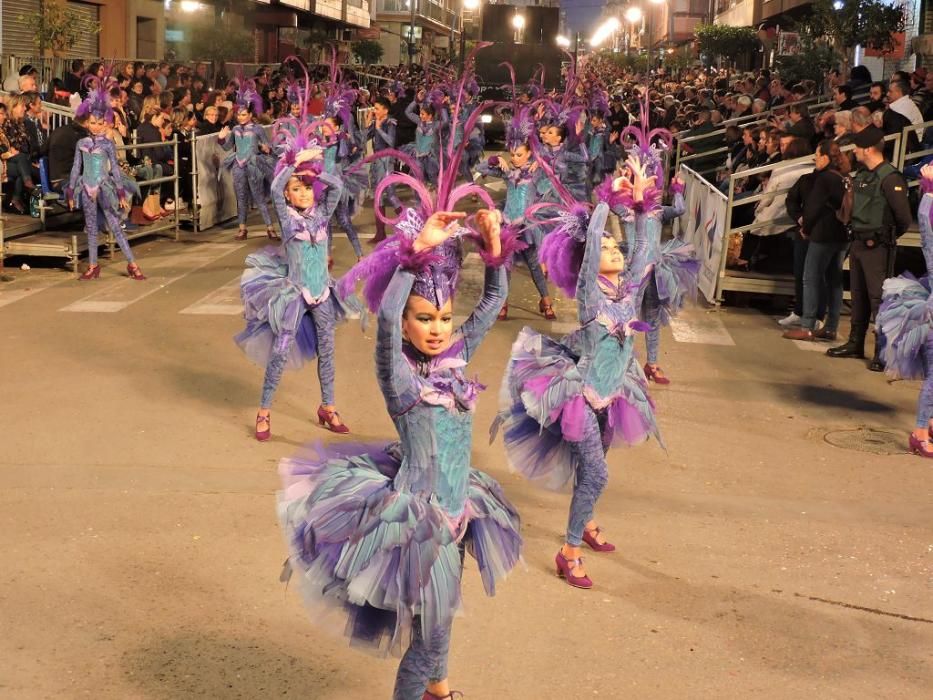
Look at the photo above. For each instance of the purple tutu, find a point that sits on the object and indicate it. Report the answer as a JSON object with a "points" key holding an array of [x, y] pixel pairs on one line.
{"points": [[545, 400], [675, 275], [379, 556], [904, 320]]}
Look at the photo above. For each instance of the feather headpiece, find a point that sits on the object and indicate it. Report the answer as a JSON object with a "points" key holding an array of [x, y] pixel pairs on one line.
{"points": [[97, 102], [247, 96], [306, 136], [649, 144]]}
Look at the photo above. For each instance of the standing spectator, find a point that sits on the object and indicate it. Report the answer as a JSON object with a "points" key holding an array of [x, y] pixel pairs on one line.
{"points": [[161, 75], [73, 79], [825, 239], [880, 215]]}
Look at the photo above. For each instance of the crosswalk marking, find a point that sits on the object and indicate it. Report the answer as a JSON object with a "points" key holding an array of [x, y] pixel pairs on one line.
{"points": [[8, 296], [121, 293], [699, 327], [224, 301]]}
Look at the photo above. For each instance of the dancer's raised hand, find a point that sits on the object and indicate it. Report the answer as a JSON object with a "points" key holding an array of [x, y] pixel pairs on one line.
{"points": [[438, 228], [489, 222]]}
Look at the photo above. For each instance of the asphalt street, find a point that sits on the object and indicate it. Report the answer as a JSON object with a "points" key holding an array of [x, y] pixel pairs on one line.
{"points": [[779, 545]]}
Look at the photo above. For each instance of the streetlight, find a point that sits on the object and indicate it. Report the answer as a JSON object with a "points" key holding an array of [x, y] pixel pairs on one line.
{"points": [[467, 5], [518, 24], [651, 28], [605, 30], [633, 16], [562, 41]]}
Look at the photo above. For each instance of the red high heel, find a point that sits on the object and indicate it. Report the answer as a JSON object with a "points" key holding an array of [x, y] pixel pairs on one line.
{"points": [[92, 273], [134, 272], [271, 234], [452, 695], [654, 374], [547, 310], [241, 235], [151, 217], [920, 447], [504, 313], [326, 417], [565, 571], [263, 435], [596, 546]]}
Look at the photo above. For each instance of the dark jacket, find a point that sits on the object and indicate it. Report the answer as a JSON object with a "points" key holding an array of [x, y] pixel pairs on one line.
{"points": [[161, 155], [62, 144], [816, 203]]}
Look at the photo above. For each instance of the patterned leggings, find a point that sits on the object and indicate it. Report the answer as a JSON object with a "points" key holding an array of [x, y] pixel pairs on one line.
{"points": [[651, 314], [244, 186], [342, 214], [424, 662], [92, 215], [925, 402], [591, 477], [530, 256], [323, 317]]}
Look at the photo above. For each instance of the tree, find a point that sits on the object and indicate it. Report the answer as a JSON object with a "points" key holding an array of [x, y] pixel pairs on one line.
{"points": [[680, 59], [724, 41], [220, 43], [813, 62], [867, 23], [316, 41], [367, 51], [57, 27]]}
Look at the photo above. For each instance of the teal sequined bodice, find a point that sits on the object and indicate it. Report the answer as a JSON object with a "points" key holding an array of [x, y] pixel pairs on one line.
{"points": [[94, 166], [309, 261], [424, 142], [516, 200], [330, 158], [245, 145]]}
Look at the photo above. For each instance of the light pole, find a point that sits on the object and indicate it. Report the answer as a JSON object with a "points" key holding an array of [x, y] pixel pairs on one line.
{"points": [[518, 24], [467, 5], [411, 33], [633, 16]]}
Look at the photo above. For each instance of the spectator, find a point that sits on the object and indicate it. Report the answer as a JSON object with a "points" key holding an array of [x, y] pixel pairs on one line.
{"points": [[859, 80], [801, 125], [842, 127], [920, 94], [137, 90], [880, 215], [876, 97], [27, 80], [17, 156], [159, 158], [759, 106], [778, 93], [211, 123], [160, 75], [62, 143], [73, 79], [37, 126], [861, 119], [901, 104], [842, 96]]}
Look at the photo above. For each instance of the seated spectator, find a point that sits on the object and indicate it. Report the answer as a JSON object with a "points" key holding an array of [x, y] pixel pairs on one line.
{"points": [[211, 123], [876, 94], [62, 143], [842, 96], [73, 79], [152, 130], [18, 161], [842, 128], [901, 113]]}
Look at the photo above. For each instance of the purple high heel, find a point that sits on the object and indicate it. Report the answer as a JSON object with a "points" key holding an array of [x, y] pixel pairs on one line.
{"points": [[565, 571], [596, 546], [920, 447]]}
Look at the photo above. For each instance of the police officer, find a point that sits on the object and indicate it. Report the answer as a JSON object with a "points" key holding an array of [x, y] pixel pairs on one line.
{"points": [[880, 215]]}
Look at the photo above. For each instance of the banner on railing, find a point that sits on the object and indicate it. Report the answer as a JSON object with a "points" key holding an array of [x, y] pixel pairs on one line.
{"points": [[703, 225], [216, 199]]}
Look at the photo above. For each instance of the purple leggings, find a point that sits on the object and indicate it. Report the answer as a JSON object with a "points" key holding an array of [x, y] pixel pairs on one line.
{"points": [[92, 216], [591, 476], [925, 402], [244, 187]]}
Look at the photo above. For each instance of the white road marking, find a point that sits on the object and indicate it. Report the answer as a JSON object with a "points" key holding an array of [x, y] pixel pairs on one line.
{"points": [[224, 301], [121, 293], [699, 327], [8, 296], [811, 345]]}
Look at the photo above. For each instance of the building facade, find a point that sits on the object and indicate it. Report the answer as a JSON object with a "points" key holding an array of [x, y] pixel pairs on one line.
{"points": [[434, 26]]}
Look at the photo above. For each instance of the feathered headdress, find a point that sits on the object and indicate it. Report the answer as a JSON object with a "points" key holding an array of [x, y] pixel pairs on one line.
{"points": [[340, 98], [246, 95], [519, 123], [649, 144], [437, 272], [97, 102]]}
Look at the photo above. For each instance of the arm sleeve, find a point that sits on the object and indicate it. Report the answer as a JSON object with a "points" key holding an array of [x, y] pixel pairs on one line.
{"points": [[926, 230], [895, 191], [395, 376], [227, 143], [677, 208], [588, 293], [75, 170], [475, 328], [388, 134], [115, 171], [412, 114], [794, 203], [813, 208], [278, 197]]}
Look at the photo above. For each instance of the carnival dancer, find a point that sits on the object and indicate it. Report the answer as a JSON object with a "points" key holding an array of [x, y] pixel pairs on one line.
{"points": [[597, 139], [905, 326], [561, 126], [674, 266], [567, 402], [382, 130], [289, 305], [526, 185], [97, 184], [250, 162], [428, 129]]}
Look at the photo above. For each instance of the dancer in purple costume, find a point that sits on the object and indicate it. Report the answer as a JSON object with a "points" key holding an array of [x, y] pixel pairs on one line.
{"points": [[250, 161], [289, 304], [383, 131], [429, 127], [565, 403], [97, 184], [905, 326], [380, 531]]}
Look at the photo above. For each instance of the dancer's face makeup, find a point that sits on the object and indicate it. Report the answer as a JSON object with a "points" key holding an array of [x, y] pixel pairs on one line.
{"points": [[96, 126], [611, 260], [296, 110], [380, 111], [520, 156], [243, 116], [299, 194], [426, 327]]}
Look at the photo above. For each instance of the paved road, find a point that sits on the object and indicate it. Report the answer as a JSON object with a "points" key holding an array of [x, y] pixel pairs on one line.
{"points": [[139, 550]]}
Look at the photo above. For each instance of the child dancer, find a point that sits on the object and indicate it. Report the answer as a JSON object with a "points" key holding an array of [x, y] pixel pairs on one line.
{"points": [[383, 131], [426, 147], [250, 163], [905, 326], [525, 185], [289, 306], [96, 184], [340, 147], [566, 402]]}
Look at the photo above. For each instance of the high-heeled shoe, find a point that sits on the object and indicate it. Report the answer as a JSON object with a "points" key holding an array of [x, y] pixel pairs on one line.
{"points": [[547, 310], [263, 435], [241, 235], [503, 313], [151, 217], [326, 417], [924, 448], [134, 272], [271, 234], [590, 539], [452, 695], [565, 571], [654, 374], [92, 273]]}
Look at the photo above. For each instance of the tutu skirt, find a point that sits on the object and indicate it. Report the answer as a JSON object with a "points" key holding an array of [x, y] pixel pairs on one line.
{"points": [[903, 322], [675, 275], [383, 558]]}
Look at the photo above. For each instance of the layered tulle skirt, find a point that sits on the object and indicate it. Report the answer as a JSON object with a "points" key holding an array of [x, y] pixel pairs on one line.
{"points": [[273, 303], [675, 275], [543, 403], [904, 320], [380, 558]]}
